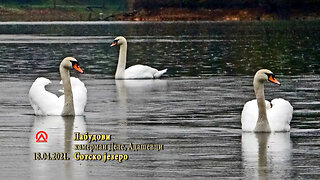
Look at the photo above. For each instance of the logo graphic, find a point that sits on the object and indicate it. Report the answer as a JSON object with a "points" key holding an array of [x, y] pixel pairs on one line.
{"points": [[41, 136]]}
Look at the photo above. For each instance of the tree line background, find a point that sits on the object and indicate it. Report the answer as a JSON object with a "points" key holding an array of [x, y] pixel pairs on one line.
{"points": [[280, 7], [153, 4]]}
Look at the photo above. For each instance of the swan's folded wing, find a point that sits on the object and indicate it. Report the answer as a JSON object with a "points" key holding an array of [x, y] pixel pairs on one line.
{"points": [[140, 72], [42, 101], [249, 115], [280, 115], [79, 92]]}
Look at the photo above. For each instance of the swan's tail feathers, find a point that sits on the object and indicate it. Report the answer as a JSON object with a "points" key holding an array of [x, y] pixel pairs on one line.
{"points": [[160, 73]]}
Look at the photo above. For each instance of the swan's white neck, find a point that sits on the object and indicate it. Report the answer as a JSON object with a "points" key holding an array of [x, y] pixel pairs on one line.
{"points": [[262, 122], [68, 108], [121, 61]]}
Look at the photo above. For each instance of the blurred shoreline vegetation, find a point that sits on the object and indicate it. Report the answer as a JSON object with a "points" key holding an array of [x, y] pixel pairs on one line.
{"points": [[157, 10], [58, 10], [281, 8]]}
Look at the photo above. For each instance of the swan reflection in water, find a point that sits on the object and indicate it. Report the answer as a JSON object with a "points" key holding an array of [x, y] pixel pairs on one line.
{"points": [[138, 91], [60, 132], [135, 96], [266, 156], [139, 88]]}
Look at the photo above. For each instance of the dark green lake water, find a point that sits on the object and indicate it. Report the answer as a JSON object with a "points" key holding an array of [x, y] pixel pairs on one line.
{"points": [[187, 49]]}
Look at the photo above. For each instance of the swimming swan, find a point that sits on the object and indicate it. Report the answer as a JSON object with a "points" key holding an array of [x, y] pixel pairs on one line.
{"points": [[71, 103], [136, 71], [259, 115]]}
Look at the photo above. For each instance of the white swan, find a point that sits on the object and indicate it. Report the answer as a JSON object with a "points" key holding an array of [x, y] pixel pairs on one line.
{"points": [[71, 103], [260, 115], [136, 71]]}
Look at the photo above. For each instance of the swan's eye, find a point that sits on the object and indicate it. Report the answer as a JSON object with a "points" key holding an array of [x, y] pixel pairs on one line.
{"points": [[272, 78], [115, 42], [270, 75], [74, 63]]}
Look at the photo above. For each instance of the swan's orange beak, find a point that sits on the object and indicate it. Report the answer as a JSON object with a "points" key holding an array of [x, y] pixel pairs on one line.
{"points": [[77, 67], [273, 80]]}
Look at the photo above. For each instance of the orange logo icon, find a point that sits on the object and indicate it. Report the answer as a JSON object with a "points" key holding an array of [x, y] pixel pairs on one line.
{"points": [[41, 136]]}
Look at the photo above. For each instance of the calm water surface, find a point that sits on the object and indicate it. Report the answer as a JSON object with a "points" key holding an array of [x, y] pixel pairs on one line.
{"points": [[194, 110]]}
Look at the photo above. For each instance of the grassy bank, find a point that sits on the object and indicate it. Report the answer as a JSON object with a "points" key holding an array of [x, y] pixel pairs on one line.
{"points": [[48, 10]]}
